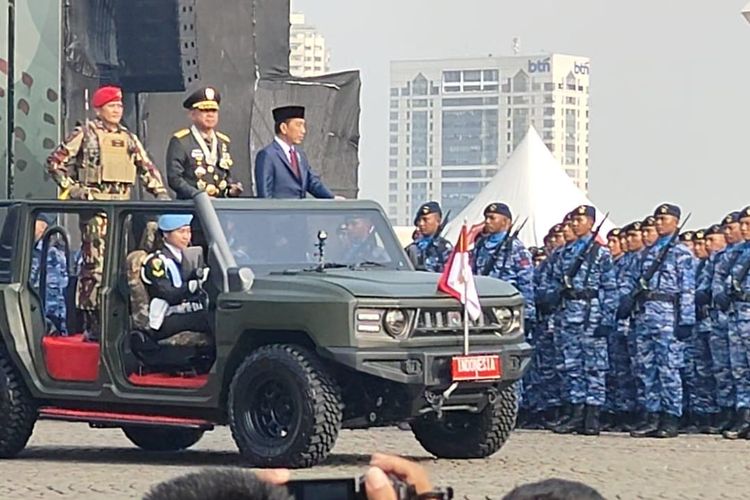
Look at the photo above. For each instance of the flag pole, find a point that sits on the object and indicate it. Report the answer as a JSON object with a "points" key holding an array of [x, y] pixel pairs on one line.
{"points": [[466, 295]]}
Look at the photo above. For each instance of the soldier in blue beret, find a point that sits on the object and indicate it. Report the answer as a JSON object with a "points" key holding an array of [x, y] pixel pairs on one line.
{"points": [[430, 251]]}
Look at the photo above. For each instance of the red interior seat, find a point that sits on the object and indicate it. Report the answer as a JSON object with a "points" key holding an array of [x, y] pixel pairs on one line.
{"points": [[166, 380], [70, 359]]}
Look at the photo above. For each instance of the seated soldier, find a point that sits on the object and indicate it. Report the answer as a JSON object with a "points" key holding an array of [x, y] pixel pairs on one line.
{"points": [[174, 280], [56, 277], [363, 246]]}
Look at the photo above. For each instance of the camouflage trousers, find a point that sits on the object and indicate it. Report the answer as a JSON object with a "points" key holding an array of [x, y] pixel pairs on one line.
{"points": [[620, 383], [718, 341], [703, 384], [546, 381], [659, 359], [739, 351], [93, 237], [585, 362]]}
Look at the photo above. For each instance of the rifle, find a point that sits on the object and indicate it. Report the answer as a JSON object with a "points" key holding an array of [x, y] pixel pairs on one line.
{"points": [[736, 291], [645, 278], [571, 273]]}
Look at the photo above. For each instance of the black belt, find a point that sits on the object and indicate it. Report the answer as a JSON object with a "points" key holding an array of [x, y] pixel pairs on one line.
{"points": [[659, 297], [581, 294]]}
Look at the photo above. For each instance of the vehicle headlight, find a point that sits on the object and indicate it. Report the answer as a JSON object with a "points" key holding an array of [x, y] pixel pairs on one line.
{"points": [[506, 318], [396, 323]]}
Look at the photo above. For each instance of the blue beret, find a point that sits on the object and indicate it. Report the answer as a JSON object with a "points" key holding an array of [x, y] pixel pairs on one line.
{"points": [[632, 227], [649, 221], [687, 236], [170, 222], [731, 218], [668, 209], [700, 235], [431, 207], [714, 229], [745, 212], [586, 210], [614, 233], [498, 208]]}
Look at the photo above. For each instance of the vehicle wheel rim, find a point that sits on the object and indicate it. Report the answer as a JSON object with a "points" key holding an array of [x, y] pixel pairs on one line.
{"points": [[271, 412]]}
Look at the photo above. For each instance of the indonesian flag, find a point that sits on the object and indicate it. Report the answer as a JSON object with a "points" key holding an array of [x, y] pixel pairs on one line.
{"points": [[457, 279]]}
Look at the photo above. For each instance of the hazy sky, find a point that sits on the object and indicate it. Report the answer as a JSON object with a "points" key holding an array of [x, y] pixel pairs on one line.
{"points": [[670, 85]]}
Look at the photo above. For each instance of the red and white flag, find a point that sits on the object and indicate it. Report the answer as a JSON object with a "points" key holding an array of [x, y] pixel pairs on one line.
{"points": [[457, 279]]}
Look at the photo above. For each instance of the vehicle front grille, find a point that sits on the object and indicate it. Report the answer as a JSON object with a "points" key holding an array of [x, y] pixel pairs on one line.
{"points": [[431, 322]]}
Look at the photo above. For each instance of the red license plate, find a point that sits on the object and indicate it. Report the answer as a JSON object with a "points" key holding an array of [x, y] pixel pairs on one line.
{"points": [[476, 367]]}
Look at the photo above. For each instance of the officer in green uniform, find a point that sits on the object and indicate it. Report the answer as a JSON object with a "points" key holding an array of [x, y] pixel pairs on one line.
{"points": [[198, 158]]}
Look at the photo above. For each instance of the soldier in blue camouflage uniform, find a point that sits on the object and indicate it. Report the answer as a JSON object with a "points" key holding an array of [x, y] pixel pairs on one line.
{"points": [[719, 339], [664, 316], [430, 251], [620, 383], [703, 398], [587, 300], [56, 277], [734, 299], [498, 254], [686, 238]]}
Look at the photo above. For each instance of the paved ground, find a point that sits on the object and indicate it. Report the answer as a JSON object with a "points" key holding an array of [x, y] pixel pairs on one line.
{"points": [[73, 461]]}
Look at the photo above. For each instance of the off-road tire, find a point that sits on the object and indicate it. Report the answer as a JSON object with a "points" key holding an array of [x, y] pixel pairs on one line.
{"points": [[18, 411], [461, 434], [162, 438], [313, 402]]}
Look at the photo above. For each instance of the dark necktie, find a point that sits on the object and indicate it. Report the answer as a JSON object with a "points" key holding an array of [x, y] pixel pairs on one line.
{"points": [[294, 162]]}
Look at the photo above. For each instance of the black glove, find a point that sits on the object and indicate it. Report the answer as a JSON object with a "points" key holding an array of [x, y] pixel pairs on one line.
{"points": [[603, 331], [683, 332], [625, 308], [722, 300], [702, 297], [553, 299]]}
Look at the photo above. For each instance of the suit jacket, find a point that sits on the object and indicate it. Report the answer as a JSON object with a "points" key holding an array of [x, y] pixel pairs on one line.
{"points": [[274, 177]]}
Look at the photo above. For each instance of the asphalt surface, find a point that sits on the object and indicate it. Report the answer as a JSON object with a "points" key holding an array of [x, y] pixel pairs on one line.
{"points": [[72, 461]]}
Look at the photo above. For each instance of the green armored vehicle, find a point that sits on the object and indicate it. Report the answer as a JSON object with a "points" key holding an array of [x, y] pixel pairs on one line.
{"points": [[319, 322]]}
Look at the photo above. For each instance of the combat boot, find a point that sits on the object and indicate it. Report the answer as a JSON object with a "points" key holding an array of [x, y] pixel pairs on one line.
{"points": [[563, 415], [740, 426], [551, 418], [648, 428], [703, 422], [724, 419], [574, 423], [667, 426], [687, 424], [592, 425]]}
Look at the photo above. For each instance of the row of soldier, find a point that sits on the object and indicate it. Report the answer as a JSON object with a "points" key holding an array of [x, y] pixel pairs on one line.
{"points": [[101, 160], [648, 334]]}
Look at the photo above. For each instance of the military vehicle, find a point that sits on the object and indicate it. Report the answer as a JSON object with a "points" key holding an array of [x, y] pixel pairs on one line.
{"points": [[319, 323]]}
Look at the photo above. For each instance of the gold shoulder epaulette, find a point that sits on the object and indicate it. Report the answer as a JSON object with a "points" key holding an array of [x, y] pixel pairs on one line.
{"points": [[223, 137], [182, 133]]}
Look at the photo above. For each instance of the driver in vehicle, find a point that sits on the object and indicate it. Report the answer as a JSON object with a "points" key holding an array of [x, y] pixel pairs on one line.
{"points": [[174, 277], [363, 245]]}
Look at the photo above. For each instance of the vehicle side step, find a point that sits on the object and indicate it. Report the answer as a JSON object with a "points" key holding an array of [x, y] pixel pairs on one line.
{"points": [[111, 419]]}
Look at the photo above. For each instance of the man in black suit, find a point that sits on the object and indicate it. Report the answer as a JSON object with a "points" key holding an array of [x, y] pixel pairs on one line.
{"points": [[281, 169]]}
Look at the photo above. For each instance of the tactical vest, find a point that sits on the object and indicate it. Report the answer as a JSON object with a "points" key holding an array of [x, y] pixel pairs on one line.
{"points": [[116, 163]]}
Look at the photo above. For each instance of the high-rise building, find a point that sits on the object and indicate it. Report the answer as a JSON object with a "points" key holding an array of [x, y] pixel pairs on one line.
{"points": [[454, 122], [308, 55]]}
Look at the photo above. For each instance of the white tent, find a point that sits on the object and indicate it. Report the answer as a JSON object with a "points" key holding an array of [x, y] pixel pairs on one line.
{"points": [[533, 185]]}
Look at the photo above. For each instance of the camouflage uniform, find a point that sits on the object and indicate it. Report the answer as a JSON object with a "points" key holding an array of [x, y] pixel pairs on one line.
{"points": [[719, 338], [432, 252], [55, 285], [591, 303], [703, 396], [96, 163], [620, 383], [670, 303]]}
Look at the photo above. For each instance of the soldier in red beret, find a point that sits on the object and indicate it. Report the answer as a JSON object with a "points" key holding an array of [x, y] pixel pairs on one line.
{"points": [[100, 160]]}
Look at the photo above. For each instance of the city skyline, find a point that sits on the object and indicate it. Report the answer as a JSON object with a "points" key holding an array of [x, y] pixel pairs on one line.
{"points": [[667, 106]]}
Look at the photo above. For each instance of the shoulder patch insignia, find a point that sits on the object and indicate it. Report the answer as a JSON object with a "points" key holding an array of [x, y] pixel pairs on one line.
{"points": [[223, 137], [157, 267], [182, 133]]}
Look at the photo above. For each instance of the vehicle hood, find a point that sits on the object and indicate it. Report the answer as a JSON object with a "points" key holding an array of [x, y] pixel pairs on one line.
{"points": [[404, 284]]}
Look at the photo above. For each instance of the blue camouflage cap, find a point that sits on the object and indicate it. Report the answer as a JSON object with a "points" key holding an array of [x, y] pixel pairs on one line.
{"points": [[431, 207], [170, 222]]}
